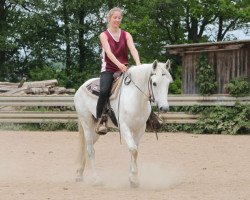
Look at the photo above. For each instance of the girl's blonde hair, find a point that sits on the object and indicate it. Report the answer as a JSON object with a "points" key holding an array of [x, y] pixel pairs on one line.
{"points": [[111, 12]]}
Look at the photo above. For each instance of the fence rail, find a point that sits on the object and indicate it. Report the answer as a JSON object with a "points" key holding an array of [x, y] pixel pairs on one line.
{"points": [[62, 101], [174, 100], [64, 117]]}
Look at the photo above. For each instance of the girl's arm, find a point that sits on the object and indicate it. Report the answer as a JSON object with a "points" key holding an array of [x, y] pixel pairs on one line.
{"points": [[132, 48]]}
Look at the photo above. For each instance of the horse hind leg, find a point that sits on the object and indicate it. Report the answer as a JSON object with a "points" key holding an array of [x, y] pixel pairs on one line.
{"points": [[89, 139], [82, 154]]}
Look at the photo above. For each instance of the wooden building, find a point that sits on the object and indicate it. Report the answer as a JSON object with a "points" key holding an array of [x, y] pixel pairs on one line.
{"points": [[229, 59]]}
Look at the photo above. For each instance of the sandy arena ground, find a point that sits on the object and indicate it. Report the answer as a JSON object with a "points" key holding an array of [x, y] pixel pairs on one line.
{"points": [[180, 166]]}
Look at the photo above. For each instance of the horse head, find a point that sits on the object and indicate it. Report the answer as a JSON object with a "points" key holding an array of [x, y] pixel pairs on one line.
{"points": [[160, 80]]}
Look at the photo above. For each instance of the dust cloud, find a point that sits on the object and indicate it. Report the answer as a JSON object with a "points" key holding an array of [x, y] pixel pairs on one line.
{"points": [[151, 177]]}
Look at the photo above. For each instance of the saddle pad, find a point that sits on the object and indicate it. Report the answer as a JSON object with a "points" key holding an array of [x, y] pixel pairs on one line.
{"points": [[94, 87]]}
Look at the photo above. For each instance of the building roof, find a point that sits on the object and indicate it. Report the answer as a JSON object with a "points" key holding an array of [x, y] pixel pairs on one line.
{"points": [[206, 47]]}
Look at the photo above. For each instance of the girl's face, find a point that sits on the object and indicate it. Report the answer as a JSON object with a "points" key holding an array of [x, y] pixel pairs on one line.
{"points": [[115, 19]]}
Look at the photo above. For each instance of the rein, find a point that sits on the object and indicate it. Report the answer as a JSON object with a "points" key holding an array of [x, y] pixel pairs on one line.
{"points": [[118, 117], [151, 98]]}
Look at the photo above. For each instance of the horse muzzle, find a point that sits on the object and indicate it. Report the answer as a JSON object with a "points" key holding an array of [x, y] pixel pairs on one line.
{"points": [[164, 108]]}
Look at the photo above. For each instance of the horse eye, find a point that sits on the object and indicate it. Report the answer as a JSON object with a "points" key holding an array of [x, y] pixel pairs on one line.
{"points": [[163, 74], [154, 84]]}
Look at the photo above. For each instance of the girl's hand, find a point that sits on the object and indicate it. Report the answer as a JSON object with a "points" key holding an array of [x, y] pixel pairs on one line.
{"points": [[123, 67]]}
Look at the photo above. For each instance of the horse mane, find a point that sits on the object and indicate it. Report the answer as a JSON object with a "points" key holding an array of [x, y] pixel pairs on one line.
{"points": [[137, 70]]}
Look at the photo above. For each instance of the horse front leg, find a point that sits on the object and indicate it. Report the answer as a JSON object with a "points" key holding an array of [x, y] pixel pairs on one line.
{"points": [[133, 176], [132, 146], [134, 154], [91, 153]]}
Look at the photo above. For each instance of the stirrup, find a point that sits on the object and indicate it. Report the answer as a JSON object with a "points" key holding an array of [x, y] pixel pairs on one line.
{"points": [[101, 129], [101, 126]]}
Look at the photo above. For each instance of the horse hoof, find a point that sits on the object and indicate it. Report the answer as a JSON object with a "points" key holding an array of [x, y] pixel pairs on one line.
{"points": [[97, 183], [134, 184], [79, 179]]}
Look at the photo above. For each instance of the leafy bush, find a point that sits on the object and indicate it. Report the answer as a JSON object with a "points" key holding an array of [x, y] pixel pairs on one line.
{"points": [[50, 126], [43, 73], [178, 128], [214, 120], [72, 80], [10, 126], [55, 126], [71, 126], [225, 120], [238, 87], [175, 87], [205, 79]]}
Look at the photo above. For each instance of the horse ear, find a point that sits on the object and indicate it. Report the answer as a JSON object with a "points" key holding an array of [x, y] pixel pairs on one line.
{"points": [[168, 64], [155, 64]]}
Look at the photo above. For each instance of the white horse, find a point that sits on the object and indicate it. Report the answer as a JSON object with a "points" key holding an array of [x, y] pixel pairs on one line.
{"points": [[132, 109]]}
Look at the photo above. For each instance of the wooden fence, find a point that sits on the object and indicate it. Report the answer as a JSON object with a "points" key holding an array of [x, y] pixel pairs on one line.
{"points": [[13, 116]]}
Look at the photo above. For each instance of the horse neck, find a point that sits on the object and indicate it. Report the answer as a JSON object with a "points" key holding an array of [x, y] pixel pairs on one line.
{"points": [[140, 76]]}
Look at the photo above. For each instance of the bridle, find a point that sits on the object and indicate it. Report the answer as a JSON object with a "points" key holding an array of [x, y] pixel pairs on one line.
{"points": [[127, 80], [151, 98]]}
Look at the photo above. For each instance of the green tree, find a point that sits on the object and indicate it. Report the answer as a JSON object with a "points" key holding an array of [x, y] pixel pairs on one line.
{"points": [[64, 33], [8, 48], [227, 21]]}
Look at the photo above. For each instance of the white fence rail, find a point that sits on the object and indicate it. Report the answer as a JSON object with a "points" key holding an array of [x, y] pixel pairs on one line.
{"points": [[67, 101], [63, 117], [174, 100]]}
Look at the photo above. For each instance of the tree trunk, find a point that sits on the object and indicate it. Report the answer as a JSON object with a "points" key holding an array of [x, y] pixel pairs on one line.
{"points": [[82, 58], [193, 32], [67, 37], [220, 29], [3, 16]]}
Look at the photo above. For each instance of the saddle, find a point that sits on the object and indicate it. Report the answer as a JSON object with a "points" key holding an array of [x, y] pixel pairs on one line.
{"points": [[94, 86]]}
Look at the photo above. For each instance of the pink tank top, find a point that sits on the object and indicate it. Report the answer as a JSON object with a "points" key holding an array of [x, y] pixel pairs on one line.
{"points": [[119, 49]]}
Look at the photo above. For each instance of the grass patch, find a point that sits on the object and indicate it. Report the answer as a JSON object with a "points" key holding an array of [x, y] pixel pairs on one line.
{"points": [[49, 126]]}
